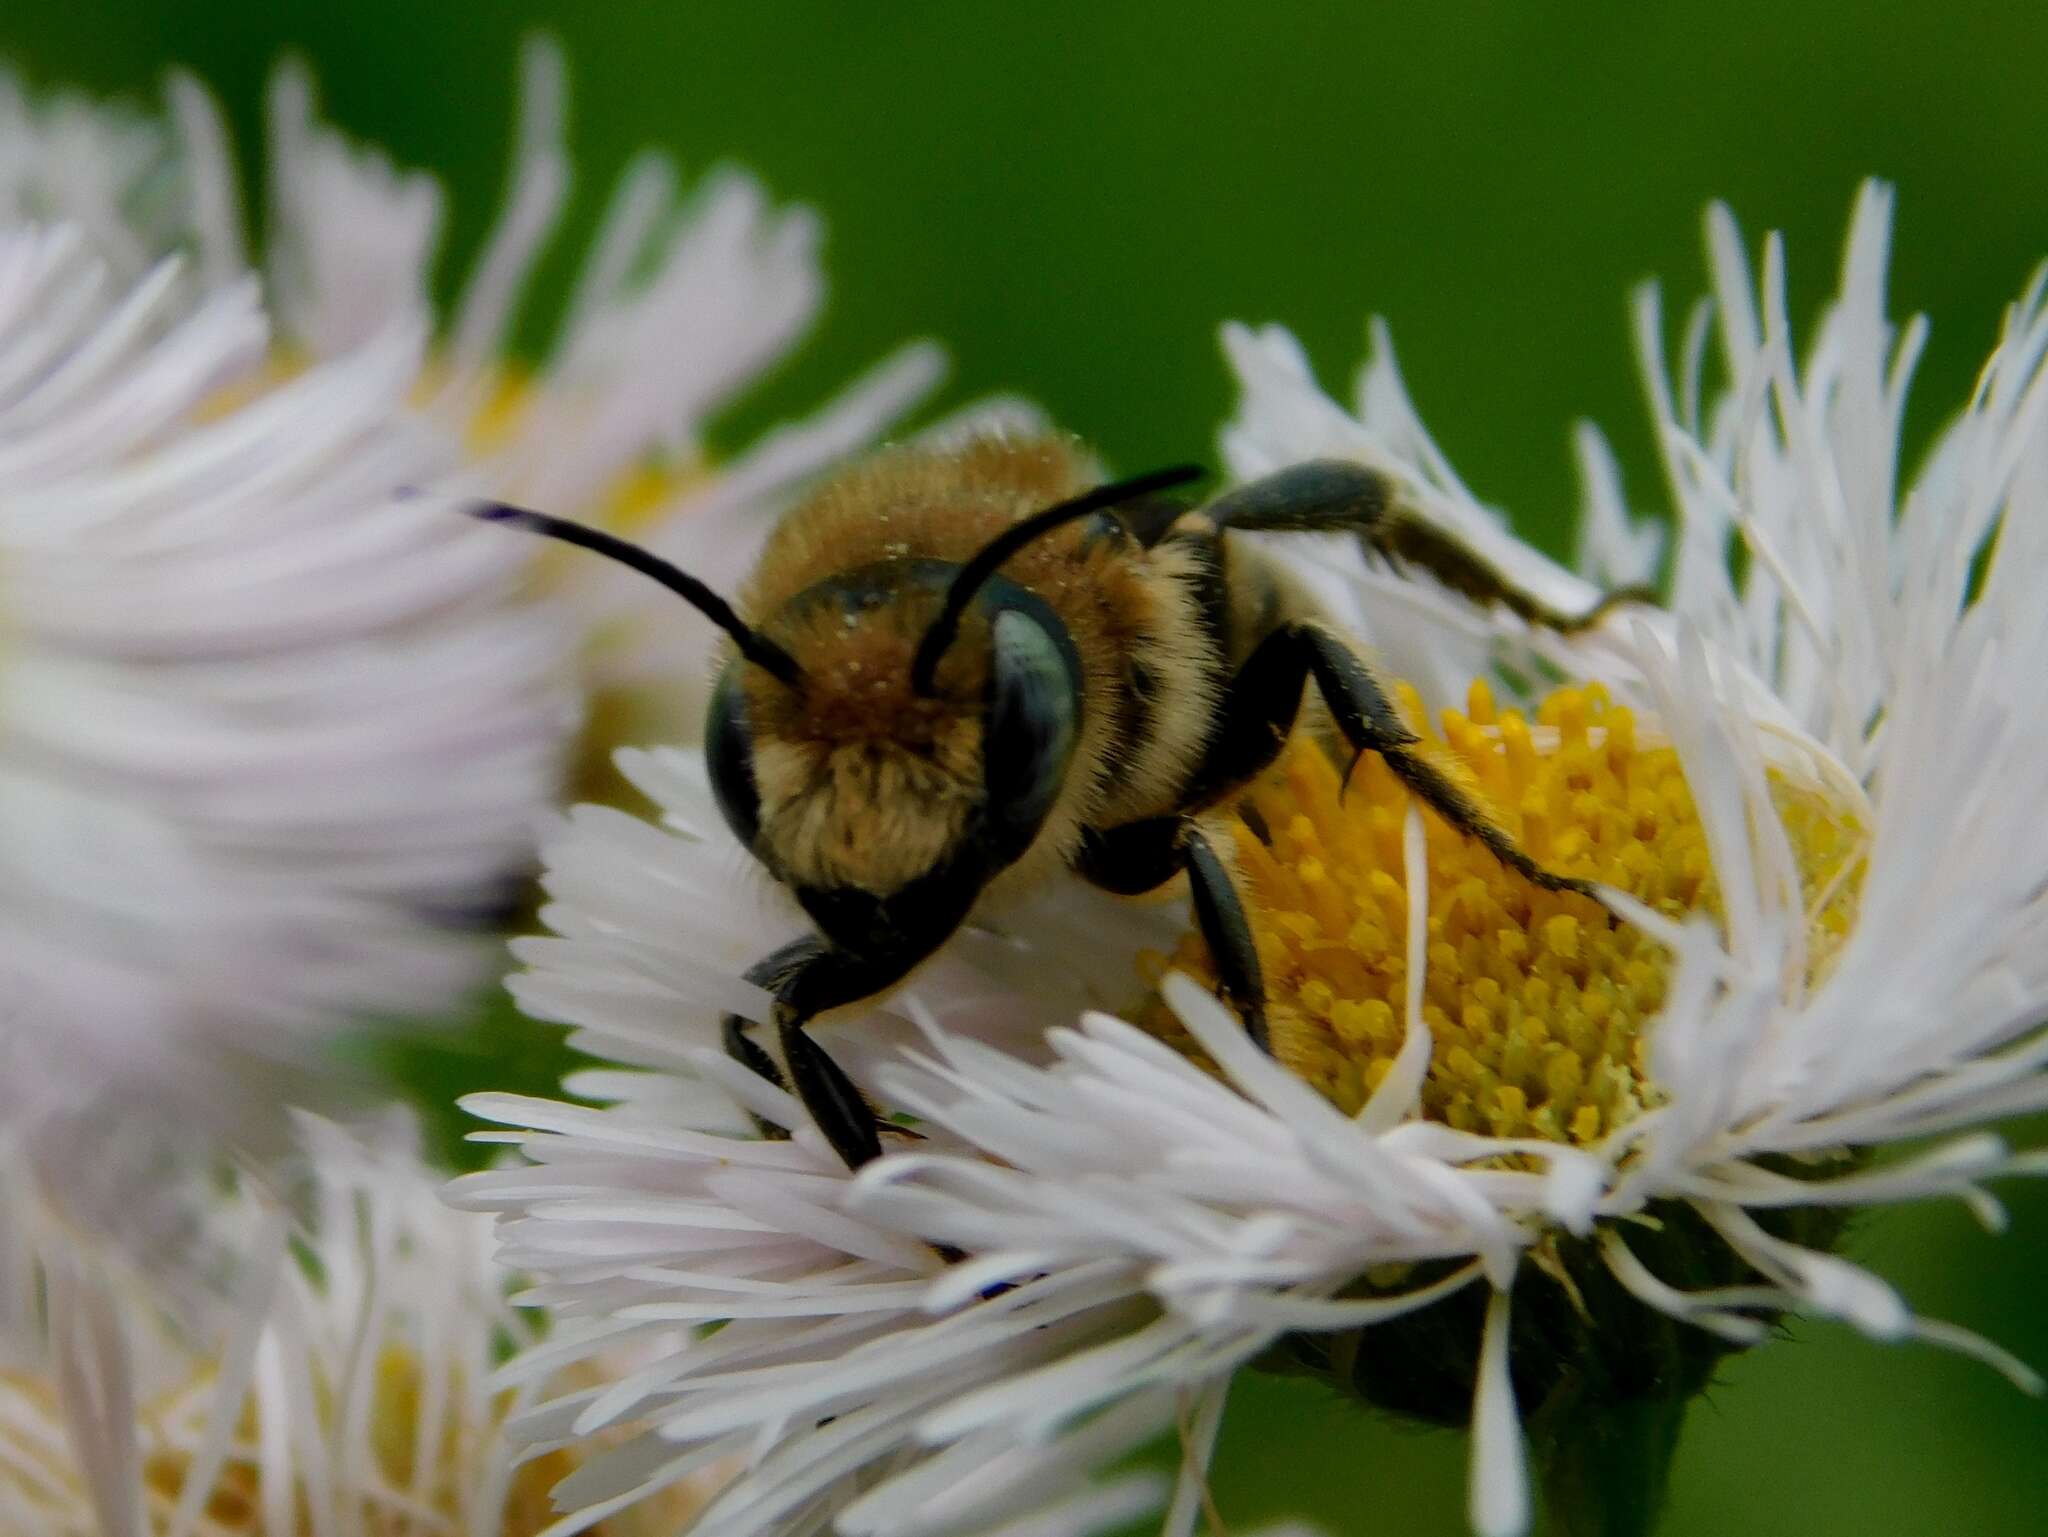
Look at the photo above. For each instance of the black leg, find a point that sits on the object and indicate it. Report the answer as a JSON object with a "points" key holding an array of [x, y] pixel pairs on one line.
{"points": [[1335, 495], [1263, 700], [1142, 856], [808, 977], [747, 1051], [771, 971], [1370, 724], [1319, 496], [1228, 933], [842, 1114], [1132, 859], [1407, 540]]}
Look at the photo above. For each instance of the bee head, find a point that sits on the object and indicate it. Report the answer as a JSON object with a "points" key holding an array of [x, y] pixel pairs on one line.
{"points": [[895, 736], [883, 808], [930, 740]]}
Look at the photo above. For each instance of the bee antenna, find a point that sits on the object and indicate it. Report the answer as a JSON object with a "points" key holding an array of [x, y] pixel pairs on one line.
{"points": [[990, 557], [755, 647]]}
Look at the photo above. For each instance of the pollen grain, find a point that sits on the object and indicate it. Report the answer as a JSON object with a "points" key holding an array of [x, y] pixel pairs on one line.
{"points": [[1536, 1001]]}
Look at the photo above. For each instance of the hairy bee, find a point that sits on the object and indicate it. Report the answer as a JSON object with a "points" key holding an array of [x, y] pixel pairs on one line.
{"points": [[956, 670]]}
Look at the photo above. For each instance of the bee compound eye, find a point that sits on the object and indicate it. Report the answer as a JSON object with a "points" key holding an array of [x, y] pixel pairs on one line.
{"points": [[1034, 708], [729, 757]]}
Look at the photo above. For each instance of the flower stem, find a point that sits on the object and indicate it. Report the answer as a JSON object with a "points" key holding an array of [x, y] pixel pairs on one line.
{"points": [[1606, 1465]]}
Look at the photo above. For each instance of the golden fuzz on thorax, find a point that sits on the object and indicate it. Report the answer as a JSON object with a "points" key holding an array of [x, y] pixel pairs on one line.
{"points": [[1535, 1000], [914, 501]]}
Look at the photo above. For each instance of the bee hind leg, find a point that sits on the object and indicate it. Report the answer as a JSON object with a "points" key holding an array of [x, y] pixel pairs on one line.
{"points": [[1405, 539], [1142, 856], [1337, 495]]}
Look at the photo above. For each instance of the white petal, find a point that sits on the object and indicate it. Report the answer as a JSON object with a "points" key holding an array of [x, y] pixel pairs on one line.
{"points": [[1498, 1503]]}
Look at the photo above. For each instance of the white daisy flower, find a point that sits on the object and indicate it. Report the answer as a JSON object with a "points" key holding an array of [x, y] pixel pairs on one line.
{"points": [[275, 732], [278, 722], [350, 1393], [1513, 1157], [658, 1194]]}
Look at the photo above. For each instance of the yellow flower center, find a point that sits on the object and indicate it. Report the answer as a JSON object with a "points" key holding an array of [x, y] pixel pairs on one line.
{"points": [[398, 1489], [1535, 1000]]}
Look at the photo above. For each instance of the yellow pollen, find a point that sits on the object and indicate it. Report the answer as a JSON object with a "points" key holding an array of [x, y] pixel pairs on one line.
{"points": [[1535, 1000], [390, 1495], [627, 505]]}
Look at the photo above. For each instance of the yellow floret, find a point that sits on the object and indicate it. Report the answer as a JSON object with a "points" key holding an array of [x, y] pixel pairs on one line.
{"points": [[393, 1495], [1536, 1000]]}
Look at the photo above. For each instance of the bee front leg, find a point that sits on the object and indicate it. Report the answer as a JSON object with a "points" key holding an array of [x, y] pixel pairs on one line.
{"points": [[1143, 856], [808, 977], [1259, 710], [770, 972]]}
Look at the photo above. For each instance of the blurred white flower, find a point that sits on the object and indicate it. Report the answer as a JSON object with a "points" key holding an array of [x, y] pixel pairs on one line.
{"points": [[1512, 1156], [685, 298], [350, 1392], [275, 731], [681, 303], [277, 722]]}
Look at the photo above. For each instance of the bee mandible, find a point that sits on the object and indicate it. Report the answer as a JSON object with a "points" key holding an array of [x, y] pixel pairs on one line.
{"points": [[958, 670]]}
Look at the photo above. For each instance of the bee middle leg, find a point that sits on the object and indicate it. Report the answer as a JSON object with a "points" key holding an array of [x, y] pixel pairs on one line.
{"points": [[1143, 856], [806, 978], [1262, 701]]}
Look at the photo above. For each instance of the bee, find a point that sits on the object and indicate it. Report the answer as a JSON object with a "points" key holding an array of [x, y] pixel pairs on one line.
{"points": [[956, 671]]}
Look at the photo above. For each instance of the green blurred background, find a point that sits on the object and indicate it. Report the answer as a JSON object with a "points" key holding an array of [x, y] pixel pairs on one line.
{"points": [[1073, 194]]}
